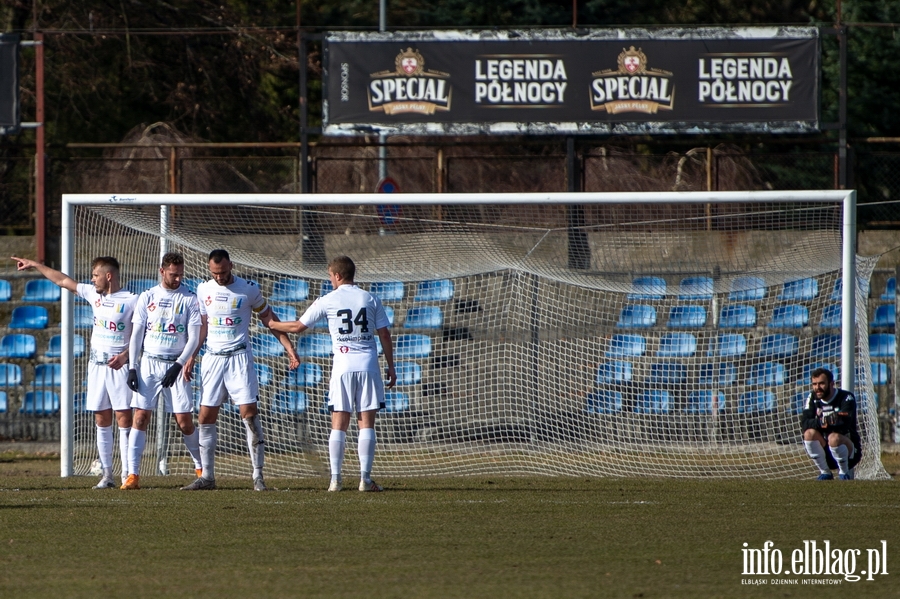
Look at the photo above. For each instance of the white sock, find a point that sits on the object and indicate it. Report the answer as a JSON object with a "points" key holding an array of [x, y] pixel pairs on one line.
{"points": [[256, 443], [104, 446], [209, 436], [842, 457], [366, 452], [136, 441], [336, 443], [816, 453], [192, 442], [123, 450]]}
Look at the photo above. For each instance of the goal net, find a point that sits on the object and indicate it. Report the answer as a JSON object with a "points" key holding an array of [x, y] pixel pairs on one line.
{"points": [[559, 334]]}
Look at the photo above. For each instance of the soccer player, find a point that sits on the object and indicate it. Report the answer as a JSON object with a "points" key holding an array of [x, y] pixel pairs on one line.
{"points": [[167, 328], [107, 390], [829, 421], [354, 316], [226, 305]]}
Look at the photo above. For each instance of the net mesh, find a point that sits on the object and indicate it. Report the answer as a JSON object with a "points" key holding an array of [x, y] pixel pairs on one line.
{"points": [[595, 340]]}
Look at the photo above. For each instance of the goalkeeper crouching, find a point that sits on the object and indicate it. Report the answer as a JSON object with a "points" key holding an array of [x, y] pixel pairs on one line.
{"points": [[830, 432]]}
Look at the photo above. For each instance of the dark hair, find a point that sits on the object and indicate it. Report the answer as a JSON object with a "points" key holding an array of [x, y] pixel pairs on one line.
{"points": [[172, 259], [820, 371], [218, 255], [342, 265], [108, 262]]}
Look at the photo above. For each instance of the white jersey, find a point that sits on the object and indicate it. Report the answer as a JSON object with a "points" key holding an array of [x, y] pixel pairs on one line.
{"points": [[112, 318], [354, 315], [228, 310], [165, 315]]}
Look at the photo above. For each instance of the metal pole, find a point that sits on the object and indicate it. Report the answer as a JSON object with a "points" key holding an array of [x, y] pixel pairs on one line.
{"points": [[40, 193], [67, 359], [162, 419], [382, 138], [848, 296], [842, 109]]}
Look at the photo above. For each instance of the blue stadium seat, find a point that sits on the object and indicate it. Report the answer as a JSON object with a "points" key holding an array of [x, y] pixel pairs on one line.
{"points": [[5, 290], [801, 290], [326, 288], [263, 373], [798, 401], [737, 316], [864, 403], [760, 401], [47, 375], [637, 317], [779, 346], [655, 401], [54, 348], [408, 373], [826, 346], [890, 290], [80, 403], [808, 369], [4, 403], [284, 314], [315, 345], [434, 291], [83, 317], [791, 316], [17, 346], [290, 290], [838, 293], [424, 317], [266, 345], [41, 290], [747, 289], [139, 286], [396, 401], [694, 289], [29, 317], [412, 346], [40, 403], [647, 288], [191, 284], [882, 345], [766, 374], [387, 291], [677, 345], [880, 373], [885, 316], [706, 402], [290, 402], [626, 345], [616, 372], [668, 373], [687, 317], [604, 402], [10, 375], [831, 317], [305, 375], [723, 374], [728, 345]]}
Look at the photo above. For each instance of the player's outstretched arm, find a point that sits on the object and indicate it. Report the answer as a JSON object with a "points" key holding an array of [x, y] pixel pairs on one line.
{"points": [[269, 318], [387, 345], [63, 280]]}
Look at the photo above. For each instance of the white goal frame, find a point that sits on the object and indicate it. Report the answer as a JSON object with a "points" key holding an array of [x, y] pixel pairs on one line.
{"points": [[847, 199]]}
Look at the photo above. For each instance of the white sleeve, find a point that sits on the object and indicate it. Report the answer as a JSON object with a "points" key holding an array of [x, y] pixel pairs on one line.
{"points": [[193, 340]]}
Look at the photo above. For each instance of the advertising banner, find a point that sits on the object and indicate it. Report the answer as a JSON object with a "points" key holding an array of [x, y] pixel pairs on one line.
{"points": [[559, 82]]}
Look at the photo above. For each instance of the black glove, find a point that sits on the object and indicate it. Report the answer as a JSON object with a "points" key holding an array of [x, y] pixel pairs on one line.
{"points": [[132, 380], [171, 375]]}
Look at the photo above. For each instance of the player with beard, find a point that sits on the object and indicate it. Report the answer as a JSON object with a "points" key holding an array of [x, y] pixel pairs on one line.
{"points": [[829, 422]]}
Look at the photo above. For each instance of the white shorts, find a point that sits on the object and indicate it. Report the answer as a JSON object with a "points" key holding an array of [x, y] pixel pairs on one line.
{"points": [[232, 375], [150, 376], [107, 388], [356, 392]]}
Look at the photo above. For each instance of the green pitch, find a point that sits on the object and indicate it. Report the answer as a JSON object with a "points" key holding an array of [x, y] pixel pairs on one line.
{"points": [[462, 537]]}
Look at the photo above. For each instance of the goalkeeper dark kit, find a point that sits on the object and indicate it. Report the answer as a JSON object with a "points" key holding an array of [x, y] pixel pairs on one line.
{"points": [[837, 415]]}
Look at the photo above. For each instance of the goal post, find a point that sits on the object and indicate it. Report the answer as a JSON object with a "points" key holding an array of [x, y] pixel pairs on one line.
{"points": [[512, 373]]}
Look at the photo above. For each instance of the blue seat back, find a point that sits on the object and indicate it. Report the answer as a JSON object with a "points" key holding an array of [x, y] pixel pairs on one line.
{"points": [[890, 290], [41, 290], [626, 345], [766, 374], [759, 401], [139, 286], [18, 345], [677, 345], [83, 317], [389, 314], [604, 402], [408, 373], [655, 401], [792, 316], [40, 403], [412, 346], [737, 316], [4, 403], [434, 291], [831, 317], [809, 367], [424, 317], [54, 348], [10, 375], [798, 402], [880, 373], [284, 314], [396, 401], [326, 288], [729, 344], [266, 345], [315, 345], [305, 375], [290, 290], [647, 288], [637, 317], [5, 290], [706, 402], [291, 402], [668, 373], [885, 316], [47, 375], [826, 346], [387, 291], [722, 374], [29, 317], [694, 289], [838, 293], [614, 373], [263, 373], [882, 345], [778, 346], [747, 289], [687, 317], [191, 284], [801, 290]]}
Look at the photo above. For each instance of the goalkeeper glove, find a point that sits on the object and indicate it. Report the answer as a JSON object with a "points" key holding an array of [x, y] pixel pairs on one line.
{"points": [[171, 375], [132, 380]]}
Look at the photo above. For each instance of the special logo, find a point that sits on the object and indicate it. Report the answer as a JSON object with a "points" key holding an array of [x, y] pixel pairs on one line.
{"points": [[632, 87], [409, 87]]}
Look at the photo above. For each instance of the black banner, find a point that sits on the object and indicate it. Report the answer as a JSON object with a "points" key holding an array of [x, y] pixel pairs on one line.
{"points": [[9, 82], [555, 82]]}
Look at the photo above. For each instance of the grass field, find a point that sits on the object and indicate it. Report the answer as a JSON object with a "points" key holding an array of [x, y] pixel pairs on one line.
{"points": [[449, 537]]}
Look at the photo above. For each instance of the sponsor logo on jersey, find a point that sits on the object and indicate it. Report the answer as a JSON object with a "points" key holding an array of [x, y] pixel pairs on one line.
{"points": [[225, 321], [151, 307], [632, 87], [208, 300], [221, 297], [409, 87], [110, 325], [165, 303], [344, 349], [165, 327], [97, 303], [236, 303]]}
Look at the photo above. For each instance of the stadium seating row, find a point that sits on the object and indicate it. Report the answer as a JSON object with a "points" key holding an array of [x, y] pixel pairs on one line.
{"points": [[744, 289], [19, 345]]}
